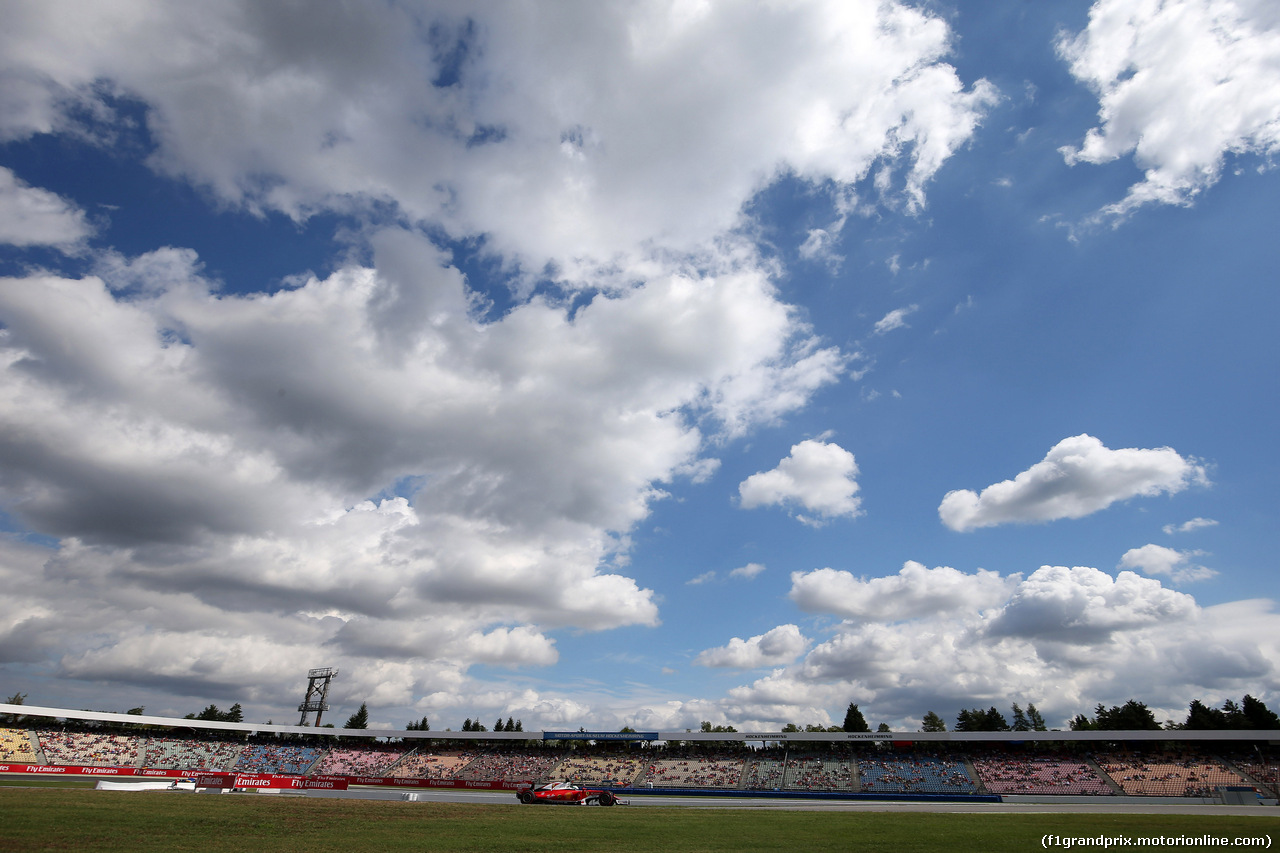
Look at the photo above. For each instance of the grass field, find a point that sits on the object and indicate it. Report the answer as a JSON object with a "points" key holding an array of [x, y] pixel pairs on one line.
{"points": [[67, 819]]}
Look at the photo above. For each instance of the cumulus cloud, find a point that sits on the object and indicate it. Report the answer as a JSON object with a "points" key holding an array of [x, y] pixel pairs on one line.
{"points": [[818, 476], [780, 646], [915, 592], [1084, 605], [1079, 476], [1063, 638], [1159, 560], [555, 134], [1188, 526], [364, 463], [895, 319], [1182, 86], [30, 216], [747, 572]]}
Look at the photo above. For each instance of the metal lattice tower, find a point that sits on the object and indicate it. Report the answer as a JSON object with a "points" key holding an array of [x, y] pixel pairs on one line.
{"points": [[317, 690]]}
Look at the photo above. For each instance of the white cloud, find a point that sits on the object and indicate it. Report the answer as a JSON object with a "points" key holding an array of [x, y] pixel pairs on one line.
{"points": [[747, 572], [818, 476], [698, 580], [895, 319], [1182, 85], [359, 463], [582, 135], [1158, 560], [1084, 605], [1188, 526], [30, 216], [1077, 477], [779, 646], [915, 592], [1062, 638]]}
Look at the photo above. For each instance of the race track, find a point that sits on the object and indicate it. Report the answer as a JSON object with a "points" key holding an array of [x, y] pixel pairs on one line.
{"points": [[1127, 806]]}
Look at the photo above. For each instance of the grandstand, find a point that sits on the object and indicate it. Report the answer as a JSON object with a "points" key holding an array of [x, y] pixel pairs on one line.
{"points": [[359, 761], [600, 770], [277, 758], [915, 774], [819, 772], [1013, 774], [512, 766], [1166, 774], [18, 745], [429, 765], [1169, 764], [719, 771], [186, 753], [91, 749]]}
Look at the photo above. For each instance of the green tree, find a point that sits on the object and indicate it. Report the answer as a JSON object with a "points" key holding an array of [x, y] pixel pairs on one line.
{"points": [[358, 720], [854, 721], [1201, 717], [883, 727], [1234, 716], [707, 727], [977, 720], [510, 726], [1020, 721], [1081, 723], [1037, 721], [1131, 716], [932, 723], [14, 719], [420, 726], [1257, 713]]}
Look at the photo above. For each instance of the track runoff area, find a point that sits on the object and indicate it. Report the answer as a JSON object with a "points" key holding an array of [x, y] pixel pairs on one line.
{"points": [[505, 792]]}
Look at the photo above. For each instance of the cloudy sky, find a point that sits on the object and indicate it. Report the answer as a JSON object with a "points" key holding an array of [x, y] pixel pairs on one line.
{"points": [[639, 363]]}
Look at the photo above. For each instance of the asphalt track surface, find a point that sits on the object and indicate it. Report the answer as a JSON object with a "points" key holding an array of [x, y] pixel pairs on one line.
{"points": [[496, 798]]}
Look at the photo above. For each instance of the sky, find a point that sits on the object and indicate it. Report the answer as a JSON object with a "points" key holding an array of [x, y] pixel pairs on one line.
{"points": [[639, 363]]}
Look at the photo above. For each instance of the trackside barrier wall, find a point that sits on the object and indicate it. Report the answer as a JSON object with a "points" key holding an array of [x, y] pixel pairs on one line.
{"points": [[203, 778], [214, 779], [806, 795]]}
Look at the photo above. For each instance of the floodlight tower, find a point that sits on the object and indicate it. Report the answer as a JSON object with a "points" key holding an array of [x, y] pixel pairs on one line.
{"points": [[317, 689]]}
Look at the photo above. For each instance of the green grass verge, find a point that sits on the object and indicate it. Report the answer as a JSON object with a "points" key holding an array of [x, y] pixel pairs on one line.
{"points": [[163, 821]]}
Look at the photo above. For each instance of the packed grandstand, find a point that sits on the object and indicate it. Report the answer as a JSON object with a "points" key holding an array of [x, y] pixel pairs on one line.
{"points": [[1167, 769]]}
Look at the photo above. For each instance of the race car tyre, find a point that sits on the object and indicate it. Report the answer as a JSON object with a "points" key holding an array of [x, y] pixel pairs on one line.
{"points": [[525, 797], [607, 799]]}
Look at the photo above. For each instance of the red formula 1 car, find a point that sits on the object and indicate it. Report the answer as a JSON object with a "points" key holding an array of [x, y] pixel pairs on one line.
{"points": [[568, 794]]}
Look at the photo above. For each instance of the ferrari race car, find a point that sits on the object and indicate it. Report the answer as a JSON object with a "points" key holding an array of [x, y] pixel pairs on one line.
{"points": [[567, 793]]}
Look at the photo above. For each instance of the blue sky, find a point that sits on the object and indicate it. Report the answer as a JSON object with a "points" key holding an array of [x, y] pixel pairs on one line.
{"points": [[639, 364]]}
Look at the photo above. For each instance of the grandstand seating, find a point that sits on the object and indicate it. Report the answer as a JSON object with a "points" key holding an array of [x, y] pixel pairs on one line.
{"points": [[514, 766], [916, 774], [1174, 774], [189, 754], [16, 745], [359, 761], [695, 772], [764, 774], [277, 758], [91, 749], [430, 765], [1168, 774], [822, 772], [1039, 775], [1264, 769], [613, 770]]}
